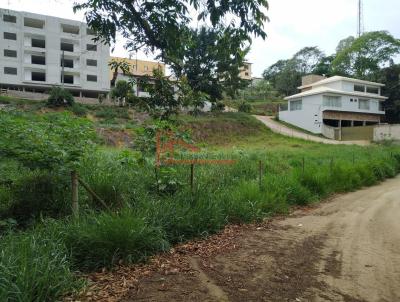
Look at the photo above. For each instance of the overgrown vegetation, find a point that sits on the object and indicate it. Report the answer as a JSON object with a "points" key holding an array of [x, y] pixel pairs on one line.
{"points": [[59, 96], [149, 210]]}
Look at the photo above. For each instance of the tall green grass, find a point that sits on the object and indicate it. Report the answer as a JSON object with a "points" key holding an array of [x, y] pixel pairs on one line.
{"points": [[35, 266], [146, 219]]}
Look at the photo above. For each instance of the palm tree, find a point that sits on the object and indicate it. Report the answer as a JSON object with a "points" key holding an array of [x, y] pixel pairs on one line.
{"points": [[117, 65]]}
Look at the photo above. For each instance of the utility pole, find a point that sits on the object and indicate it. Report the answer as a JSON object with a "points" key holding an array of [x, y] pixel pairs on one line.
{"points": [[62, 71], [360, 19]]}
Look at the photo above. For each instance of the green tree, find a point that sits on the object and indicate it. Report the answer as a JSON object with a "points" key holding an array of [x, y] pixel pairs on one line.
{"points": [[284, 76], [164, 26], [390, 76], [59, 97], [163, 100], [211, 62], [367, 55], [117, 65], [307, 59], [122, 91], [345, 43], [324, 67]]}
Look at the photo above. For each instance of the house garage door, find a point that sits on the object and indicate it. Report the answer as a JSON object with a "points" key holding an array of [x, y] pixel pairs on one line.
{"points": [[358, 133]]}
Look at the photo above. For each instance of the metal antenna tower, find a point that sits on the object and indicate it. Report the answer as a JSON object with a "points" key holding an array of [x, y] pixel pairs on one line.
{"points": [[360, 18]]}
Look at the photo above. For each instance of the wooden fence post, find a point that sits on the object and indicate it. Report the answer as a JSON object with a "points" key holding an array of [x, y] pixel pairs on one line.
{"points": [[74, 187], [260, 173], [191, 177]]}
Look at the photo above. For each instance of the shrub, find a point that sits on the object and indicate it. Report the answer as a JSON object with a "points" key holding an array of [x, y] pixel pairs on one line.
{"points": [[105, 239], [39, 193], [217, 106], [79, 109], [44, 141], [245, 107], [109, 113], [34, 266], [60, 97]]}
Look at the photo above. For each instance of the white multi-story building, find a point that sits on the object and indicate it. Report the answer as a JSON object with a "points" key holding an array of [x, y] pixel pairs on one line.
{"points": [[328, 104], [34, 48]]}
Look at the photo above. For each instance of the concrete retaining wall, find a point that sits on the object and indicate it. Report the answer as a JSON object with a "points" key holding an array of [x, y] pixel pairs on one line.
{"points": [[43, 97], [386, 132]]}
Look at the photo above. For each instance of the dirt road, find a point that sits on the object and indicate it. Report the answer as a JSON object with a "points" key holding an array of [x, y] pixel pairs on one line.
{"points": [[346, 249], [284, 130]]}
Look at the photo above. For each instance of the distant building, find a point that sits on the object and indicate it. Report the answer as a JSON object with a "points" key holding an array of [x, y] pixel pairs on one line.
{"points": [[138, 69], [331, 105], [31, 55], [245, 71]]}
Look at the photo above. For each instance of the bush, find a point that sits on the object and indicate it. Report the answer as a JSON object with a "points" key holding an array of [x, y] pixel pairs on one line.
{"points": [[245, 107], [44, 141], [79, 109], [218, 106], [109, 113], [39, 193], [35, 266], [106, 239], [60, 97]]}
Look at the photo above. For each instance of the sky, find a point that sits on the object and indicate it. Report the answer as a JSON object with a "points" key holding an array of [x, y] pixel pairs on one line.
{"points": [[294, 24]]}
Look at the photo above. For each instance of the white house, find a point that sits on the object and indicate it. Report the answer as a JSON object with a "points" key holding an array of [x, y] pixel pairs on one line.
{"points": [[32, 48], [326, 104]]}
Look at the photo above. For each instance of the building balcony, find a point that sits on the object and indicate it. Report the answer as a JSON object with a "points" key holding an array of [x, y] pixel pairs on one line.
{"points": [[348, 109]]}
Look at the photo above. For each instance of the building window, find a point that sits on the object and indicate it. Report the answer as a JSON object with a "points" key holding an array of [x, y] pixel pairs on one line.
{"points": [[39, 76], [10, 36], [38, 60], [246, 73], [39, 43], [373, 90], [10, 70], [91, 47], [146, 68], [70, 29], [363, 104], [332, 101], [67, 46], [69, 63], [360, 88], [296, 105], [34, 23], [90, 62], [91, 78], [10, 53], [68, 79], [10, 18]]}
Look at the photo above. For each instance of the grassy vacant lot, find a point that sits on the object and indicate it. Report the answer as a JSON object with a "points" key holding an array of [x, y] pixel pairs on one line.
{"points": [[259, 107], [148, 210]]}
